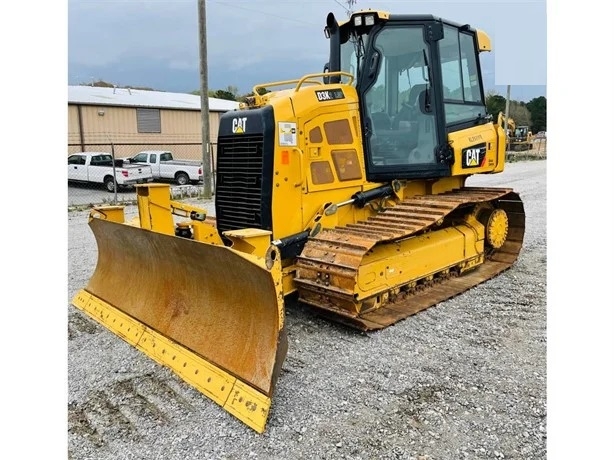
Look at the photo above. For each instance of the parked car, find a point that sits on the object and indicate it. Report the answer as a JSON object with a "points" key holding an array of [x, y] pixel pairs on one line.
{"points": [[98, 168], [165, 167]]}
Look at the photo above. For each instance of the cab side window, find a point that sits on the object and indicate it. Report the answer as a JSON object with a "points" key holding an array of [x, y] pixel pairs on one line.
{"points": [[76, 160], [462, 90]]}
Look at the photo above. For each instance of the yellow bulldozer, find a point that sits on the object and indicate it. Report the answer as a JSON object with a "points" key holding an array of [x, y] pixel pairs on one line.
{"points": [[519, 138], [344, 188]]}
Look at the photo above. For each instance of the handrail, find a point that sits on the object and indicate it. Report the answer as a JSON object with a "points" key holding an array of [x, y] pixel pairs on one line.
{"points": [[324, 74], [280, 83], [305, 79]]}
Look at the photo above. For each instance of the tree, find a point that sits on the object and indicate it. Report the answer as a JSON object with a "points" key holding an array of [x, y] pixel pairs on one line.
{"points": [[224, 94], [230, 93], [520, 114], [537, 107], [495, 104], [99, 84]]}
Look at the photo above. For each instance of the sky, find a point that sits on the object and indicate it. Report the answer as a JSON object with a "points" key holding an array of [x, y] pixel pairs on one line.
{"points": [[41, 53], [154, 43]]}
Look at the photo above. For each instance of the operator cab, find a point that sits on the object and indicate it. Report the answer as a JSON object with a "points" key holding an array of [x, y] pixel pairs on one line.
{"points": [[522, 133], [418, 79]]}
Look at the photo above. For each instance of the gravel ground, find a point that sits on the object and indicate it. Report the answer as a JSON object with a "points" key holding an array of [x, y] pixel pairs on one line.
{"points": [[464, 379]]}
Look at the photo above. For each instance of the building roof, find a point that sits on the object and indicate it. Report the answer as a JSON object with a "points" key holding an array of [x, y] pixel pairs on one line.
{"points": [[95, 95]]}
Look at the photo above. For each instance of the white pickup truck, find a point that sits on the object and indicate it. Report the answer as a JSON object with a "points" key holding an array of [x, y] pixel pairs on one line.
{"points": [[165, 167], [97, 168]]}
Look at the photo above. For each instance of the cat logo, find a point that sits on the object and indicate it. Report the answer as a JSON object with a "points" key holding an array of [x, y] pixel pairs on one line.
{"points": [[471, 157], [474, 156], [239, 125]]}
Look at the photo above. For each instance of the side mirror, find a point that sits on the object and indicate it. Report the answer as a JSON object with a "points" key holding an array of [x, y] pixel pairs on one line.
{"points": [[424, 101]]}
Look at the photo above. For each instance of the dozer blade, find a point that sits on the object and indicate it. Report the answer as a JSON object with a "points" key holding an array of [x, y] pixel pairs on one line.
{"points": [[213, 315]]}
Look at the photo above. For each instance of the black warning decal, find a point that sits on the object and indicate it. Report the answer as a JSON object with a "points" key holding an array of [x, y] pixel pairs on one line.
{"points": [[329, 94], [474, 156]]}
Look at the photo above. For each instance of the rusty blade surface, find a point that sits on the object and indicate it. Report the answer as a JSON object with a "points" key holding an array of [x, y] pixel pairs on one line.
{"points": [[210, 299]]}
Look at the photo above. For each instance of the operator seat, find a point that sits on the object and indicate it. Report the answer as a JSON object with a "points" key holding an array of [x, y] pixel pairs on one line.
{"points": [[415, 92], [409, 107]]}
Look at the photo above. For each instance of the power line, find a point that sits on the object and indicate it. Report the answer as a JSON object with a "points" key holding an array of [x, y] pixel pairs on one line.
{"points": [[344, 8], [350, 8]]}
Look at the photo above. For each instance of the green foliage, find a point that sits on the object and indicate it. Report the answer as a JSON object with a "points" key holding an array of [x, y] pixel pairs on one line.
{"points": [[520, 114], [532, 113], [101, 84], [230, 93], [537, 107], [495, 104], [224, 94]]}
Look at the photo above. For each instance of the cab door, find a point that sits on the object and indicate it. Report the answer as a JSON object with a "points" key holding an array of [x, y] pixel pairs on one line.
{"points": [[77, 170]]}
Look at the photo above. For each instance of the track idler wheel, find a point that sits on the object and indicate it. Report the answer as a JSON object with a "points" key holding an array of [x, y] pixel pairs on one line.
{"points": [[496, 225]]}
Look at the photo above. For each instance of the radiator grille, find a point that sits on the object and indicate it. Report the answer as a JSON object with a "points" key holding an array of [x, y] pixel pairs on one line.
{"points": [[239, 188]]}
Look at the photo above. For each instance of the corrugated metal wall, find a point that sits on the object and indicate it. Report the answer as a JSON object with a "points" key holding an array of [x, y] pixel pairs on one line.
{"points": [[102, 125]]}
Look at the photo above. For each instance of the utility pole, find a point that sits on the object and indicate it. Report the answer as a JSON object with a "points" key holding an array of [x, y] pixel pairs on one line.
{"points": [[507, 114], [204, 98]]}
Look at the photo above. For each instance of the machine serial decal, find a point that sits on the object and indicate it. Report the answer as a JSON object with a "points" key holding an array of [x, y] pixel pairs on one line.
{"points": [[329, 95], [474, 156], [239, 125]]}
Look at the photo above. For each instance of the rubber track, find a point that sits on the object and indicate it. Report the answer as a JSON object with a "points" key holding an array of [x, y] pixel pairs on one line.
{"points": [[327, 269]]}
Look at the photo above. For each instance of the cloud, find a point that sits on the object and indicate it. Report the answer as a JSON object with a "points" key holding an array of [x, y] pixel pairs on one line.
{"points": [[262, 39], [101, 33], [177, 64]]}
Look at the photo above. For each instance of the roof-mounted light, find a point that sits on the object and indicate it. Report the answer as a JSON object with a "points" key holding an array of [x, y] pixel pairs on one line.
{"points": [[369, 19], [357, 21]]}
